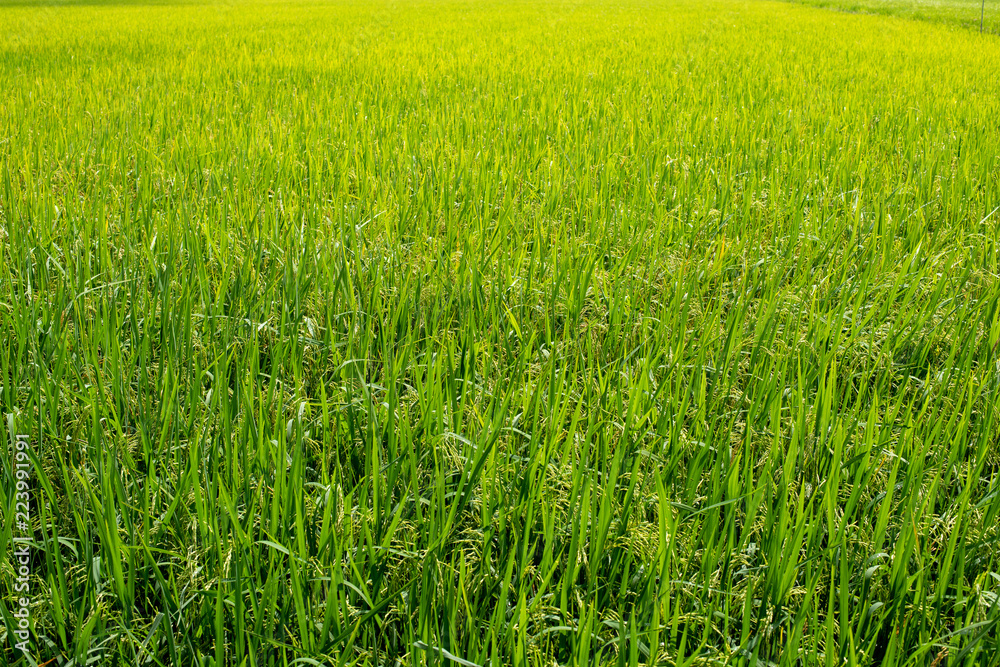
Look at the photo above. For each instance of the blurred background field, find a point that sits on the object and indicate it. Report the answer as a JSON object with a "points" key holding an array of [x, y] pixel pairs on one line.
{"points": [[967, 14]]}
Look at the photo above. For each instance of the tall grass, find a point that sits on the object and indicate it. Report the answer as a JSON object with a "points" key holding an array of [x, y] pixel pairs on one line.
{"points": [[502, 333]]}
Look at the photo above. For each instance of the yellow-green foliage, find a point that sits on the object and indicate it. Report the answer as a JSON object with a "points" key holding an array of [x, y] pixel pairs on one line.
{"points": [[509, 333]]}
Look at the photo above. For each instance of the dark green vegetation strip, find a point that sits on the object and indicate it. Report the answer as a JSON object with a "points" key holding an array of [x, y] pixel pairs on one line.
{"points": [[967, 14], [501, 333]]}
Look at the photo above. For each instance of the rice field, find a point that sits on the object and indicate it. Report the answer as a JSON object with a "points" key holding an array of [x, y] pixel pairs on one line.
{"points": [[981, 16], [506, 332]]}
